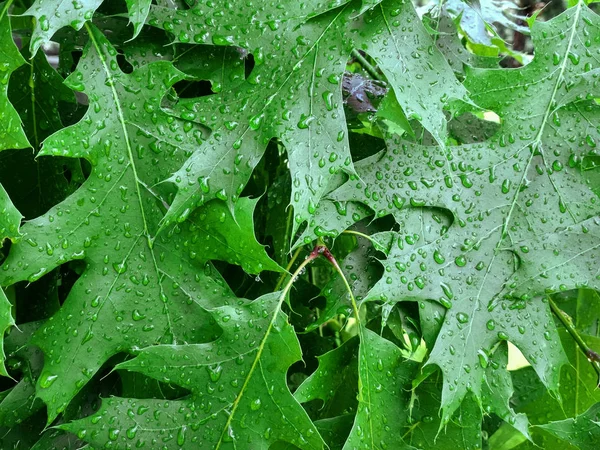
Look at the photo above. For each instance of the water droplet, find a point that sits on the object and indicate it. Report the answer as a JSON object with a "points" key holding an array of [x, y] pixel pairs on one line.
{"points": [[47, 379], [462, 317]]}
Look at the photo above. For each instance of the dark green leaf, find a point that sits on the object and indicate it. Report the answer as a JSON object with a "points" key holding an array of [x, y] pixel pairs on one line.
{"points": [[239, 394], [517, 199], [582, 431], [11, 132]]}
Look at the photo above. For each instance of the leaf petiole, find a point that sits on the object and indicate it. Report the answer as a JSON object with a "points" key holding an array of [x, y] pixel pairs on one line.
{"points": [[591, 355], [287, 269], [366, 65]]}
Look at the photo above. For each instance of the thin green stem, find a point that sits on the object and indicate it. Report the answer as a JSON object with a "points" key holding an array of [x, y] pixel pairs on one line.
{"points": [[311, 257], [338, 269], [287, 269], [362, 235], [5, 9], [348, 288], [361, 333], [410, 430], [590, 354], [366, 65]]}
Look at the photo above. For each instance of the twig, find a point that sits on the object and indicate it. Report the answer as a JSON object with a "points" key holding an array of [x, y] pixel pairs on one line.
{"points": [[590, 354], [366, 65]]}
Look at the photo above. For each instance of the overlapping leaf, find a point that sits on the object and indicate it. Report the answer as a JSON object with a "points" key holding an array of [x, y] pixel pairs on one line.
{"points": [[389, 414], [135, 291], [294, 91], [51, 16], [11, 132], [138, 12], [38, 94], [219, 236], [239, 396], [578, 390], [582, 431], [516, 199], [10, 220]]}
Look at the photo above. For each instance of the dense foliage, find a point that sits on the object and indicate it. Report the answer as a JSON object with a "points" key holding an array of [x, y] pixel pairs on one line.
{"points": [[299, 224]]}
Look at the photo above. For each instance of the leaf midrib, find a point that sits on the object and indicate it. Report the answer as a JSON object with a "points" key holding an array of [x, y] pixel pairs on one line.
{"points": [[122, 122]]}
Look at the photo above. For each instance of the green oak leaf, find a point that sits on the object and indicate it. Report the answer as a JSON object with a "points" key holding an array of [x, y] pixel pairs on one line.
{"points": [[334, 382], [6, 321], [10, 220], [138, 12], [51, 16], [147, 48], [359, 269], [382, 399], [20, 403], [331, 218], [335, 430], [226, 237], [239, 396], [449, 43], [388, 410], [135, 291], [11, 132], [578, 391], [36, 91], [424, 429], [582, 431], [515, 199], [294, 56], [222, 66], [38, 94], [498, 389]]}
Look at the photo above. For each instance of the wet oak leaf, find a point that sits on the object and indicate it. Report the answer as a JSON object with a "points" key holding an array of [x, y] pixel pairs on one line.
{"points": [[382, 400], [239, 395], [136, 290], [294, 91], [517, 199], [138, 12], [222, 236], [10, 220], [582, 431], [11, 132], [38, 94], [50, 16]]}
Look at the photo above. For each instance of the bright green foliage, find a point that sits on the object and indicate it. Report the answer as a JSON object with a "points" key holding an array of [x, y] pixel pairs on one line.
{"points": [[580, 393], [300, 224], [52, 16], [38, 94], [522, 211], [294, 56], [229, 238], [383, 374], [10, 220], [582, 431], [239, 397], [37, 91], [138, 13], [11, 133], [107, 223]]}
